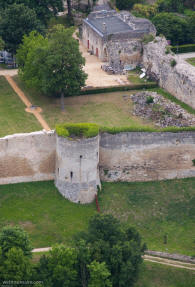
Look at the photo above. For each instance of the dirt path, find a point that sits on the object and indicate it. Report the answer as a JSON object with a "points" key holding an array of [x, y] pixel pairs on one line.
{"points": [[168, 262], [28, 104], [154, 259], [8, 72]]}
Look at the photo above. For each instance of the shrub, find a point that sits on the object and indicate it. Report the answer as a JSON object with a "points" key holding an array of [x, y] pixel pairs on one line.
{"points": [[173, 63], [168, 50], [86, 130], [193, 162], [148, 38], [149, 100]]}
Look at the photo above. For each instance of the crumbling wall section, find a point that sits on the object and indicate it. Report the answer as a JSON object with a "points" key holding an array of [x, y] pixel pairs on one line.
{"points": [[174, 74]]}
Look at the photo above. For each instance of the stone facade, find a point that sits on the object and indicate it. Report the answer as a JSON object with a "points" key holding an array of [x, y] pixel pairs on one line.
{"points": [[114, 37], [179, 80], [77, 172]]}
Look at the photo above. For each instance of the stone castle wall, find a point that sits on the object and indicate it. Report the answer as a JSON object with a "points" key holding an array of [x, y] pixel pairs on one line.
{"points": [[75, 164], [178, 80], [142, 156], [27, 157]]}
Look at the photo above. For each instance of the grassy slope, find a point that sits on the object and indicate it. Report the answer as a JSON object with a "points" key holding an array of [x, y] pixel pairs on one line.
{"points": [[13, 118], [155, 209], [157, 275], [104, 109], [43, 212]]}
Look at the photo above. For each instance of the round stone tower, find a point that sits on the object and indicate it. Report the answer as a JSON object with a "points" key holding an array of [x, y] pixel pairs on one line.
{"points": [[77, 172]]}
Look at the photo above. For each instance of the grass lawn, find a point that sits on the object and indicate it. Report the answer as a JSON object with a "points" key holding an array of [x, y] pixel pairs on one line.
{"points": [[42, 212], [133, 77], [191, 61], [157, 275], [13, 118], [156, 209], [105, 109]]}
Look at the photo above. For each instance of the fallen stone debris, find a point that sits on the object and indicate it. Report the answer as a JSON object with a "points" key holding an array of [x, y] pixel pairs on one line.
{"points": [[163, 112]]}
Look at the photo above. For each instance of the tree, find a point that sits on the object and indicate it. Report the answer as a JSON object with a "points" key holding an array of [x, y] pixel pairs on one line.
{"points": [[15, 21], [2, 44], [170, 5], [56, 67], [44, 8], [126, 4], [58, 269], [15, 237], [99, 275], [120, 248], [14, 265], [173, 27]]}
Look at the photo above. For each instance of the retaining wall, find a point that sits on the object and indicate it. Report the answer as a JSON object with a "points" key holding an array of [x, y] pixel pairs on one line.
{"points": [[27, 157]]}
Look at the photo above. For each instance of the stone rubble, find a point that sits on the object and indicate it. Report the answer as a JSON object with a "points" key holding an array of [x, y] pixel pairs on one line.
{"points": [[162, 111]]}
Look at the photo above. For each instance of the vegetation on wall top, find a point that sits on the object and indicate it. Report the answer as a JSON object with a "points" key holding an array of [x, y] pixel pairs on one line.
{"points": [[86, 130]]}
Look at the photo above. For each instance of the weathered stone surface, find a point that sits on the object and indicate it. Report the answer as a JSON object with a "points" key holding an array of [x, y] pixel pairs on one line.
{"points": [[179, 80], [77, 173], [27, 157], [161, 111], [141, 156]]}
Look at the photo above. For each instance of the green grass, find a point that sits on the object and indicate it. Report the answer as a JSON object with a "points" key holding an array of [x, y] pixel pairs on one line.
{"points": [[191, 61], [13, 118], [40, 209], [157, 275], [155, 209], [133, 77], [108, 109]]}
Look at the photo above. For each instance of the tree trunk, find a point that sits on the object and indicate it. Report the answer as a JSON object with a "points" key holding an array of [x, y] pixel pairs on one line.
{"points": [[62, 101], [69, 8]]}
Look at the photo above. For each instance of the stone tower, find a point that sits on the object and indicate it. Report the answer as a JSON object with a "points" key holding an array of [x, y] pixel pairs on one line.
{"points": [[77, 172]]}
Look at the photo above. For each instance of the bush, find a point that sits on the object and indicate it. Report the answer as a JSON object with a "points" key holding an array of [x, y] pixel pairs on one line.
{"points": [[149, 100], [193, 162], [148, 38], [183, 48], [173, 63], [86, 130]]}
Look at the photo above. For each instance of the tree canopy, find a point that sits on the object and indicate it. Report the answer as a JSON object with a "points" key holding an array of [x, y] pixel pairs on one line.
{"points": [[16, 21], [44, 8], [52, 64], [173, 27]]}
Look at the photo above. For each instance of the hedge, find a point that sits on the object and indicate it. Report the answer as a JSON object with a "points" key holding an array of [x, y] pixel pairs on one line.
{"points": [[116, 130], [183, 48], [86, 130], [118, 88]]}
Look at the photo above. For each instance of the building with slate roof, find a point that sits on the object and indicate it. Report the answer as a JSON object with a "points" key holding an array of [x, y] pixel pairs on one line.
{"points": [[115, 37]]}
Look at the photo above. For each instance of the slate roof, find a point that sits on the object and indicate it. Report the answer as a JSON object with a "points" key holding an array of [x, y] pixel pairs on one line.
{"points": [[112, 23]]}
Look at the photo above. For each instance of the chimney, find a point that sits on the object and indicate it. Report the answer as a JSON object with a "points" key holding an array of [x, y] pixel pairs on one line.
{"points": [[104, 27]]}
